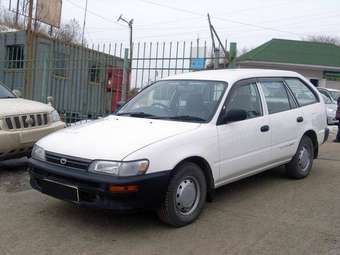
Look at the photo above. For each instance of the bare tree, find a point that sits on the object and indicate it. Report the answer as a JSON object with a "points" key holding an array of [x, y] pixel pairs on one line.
{"points": [[69, 32], [7, 21], [324, 39]]}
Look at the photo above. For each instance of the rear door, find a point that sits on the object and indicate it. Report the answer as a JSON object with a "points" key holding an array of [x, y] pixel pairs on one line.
{"points": [[285, 118], [313, 110]]}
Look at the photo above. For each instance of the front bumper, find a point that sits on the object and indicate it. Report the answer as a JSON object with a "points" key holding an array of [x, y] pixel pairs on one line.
{"points": [[17, 143], [93, 188]]}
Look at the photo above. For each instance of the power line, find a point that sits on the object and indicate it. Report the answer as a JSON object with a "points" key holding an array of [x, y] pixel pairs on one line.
{"points": [[219, 18], [95, 14]]}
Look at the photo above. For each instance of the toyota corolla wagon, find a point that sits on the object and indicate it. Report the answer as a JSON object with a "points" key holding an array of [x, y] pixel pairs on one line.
{"points": [[174, 143]]}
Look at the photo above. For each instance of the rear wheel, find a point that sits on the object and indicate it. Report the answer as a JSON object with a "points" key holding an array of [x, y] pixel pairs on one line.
{"points": [[185, 197], [301, 164]]}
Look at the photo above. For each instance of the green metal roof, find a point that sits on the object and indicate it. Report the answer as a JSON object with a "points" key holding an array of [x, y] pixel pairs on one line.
{"points": [[295, 52]]}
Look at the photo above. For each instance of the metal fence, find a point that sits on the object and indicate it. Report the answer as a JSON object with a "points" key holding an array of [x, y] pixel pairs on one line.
{"points": [[86, 82]]}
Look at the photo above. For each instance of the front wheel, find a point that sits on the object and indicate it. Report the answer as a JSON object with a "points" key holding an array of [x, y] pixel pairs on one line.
{"points": [[185, 197], [301, 164]]}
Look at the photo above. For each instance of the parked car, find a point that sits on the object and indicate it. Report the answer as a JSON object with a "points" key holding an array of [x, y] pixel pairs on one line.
{"points": [[22, 123], [332, 94], [179, 139], [331, 108]]}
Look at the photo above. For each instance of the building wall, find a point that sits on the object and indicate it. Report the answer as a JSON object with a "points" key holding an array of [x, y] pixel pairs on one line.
{"points": [[73, 90], [307, 72]]}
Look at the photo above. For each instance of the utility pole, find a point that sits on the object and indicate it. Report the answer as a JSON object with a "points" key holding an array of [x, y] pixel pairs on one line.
{"points": [[130, 24], [216, 50], [84, 24], [29, 56]]}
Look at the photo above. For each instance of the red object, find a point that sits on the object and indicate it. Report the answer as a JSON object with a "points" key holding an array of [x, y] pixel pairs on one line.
{"points": [[114, 84]]}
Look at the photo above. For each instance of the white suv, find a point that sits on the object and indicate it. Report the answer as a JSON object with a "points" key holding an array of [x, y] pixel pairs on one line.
{"points": [[179, 139], [22, 123]]}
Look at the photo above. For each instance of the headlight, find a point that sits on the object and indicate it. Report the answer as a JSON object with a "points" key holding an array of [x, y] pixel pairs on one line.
{"points": [[55, 116], [129, 168], [38, 153]]}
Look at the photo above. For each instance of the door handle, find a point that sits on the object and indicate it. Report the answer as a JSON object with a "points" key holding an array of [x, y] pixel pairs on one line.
{"points": [[265, 128], [299, 119]]}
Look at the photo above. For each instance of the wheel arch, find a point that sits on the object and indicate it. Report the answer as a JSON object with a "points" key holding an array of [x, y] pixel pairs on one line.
{"points": [[312, 135], [205, 166]]}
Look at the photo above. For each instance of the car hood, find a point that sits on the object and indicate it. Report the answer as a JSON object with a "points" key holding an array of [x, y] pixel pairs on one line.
{"points": [[112, 138], [17, 106]]}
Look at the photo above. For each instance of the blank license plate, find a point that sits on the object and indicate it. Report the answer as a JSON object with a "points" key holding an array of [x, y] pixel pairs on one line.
{"points": [[60, 190]]}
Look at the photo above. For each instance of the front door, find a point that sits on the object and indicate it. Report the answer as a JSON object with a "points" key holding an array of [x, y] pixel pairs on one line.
{"points": [[244, 145]]}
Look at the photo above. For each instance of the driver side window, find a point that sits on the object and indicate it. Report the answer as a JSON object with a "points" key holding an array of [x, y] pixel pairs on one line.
{"points": [[246, 97]]}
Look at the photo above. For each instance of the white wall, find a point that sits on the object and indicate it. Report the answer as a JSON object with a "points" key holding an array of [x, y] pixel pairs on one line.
{"points": [[307, 72]]}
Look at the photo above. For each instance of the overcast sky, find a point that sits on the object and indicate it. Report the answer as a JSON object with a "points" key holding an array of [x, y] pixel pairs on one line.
{"points": [[247, 22]]}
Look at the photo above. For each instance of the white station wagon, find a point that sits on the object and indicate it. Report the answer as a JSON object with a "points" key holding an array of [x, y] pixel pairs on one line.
{"points": [[179, 139]]}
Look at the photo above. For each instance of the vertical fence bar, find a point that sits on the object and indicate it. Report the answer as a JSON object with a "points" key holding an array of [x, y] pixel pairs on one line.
{"points": [[176, 58], [169, 64], [150, 57], [142, 82], [137, 63], [183, 57], [163, 59], [156, 64]]}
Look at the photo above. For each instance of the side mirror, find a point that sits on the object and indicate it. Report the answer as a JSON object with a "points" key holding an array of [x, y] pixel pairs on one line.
{"points": [[17, 93], [234, 115]]}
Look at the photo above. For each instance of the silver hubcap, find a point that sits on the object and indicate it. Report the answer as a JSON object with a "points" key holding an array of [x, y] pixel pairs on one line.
{"points": [[304, 159], [187, 195]]}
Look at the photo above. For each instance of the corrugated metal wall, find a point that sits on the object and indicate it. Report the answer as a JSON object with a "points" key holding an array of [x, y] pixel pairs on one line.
{"points": [[75, 76]]}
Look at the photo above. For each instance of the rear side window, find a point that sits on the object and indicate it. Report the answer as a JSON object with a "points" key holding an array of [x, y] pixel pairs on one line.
{"points": [[276, 96], [303, 94]]}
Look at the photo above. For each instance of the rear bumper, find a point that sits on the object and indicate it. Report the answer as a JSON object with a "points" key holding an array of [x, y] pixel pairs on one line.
{"points": [[19, 143], [93, 188]]}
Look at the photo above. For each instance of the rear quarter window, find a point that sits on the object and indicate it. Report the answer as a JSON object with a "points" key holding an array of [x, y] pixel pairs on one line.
{"points": [[303, 94]]}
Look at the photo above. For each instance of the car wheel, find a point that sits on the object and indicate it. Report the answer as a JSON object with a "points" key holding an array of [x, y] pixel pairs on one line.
{"points": [[185, 197], [301, 164]]}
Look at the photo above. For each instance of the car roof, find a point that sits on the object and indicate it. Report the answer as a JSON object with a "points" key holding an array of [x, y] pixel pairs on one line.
{"points": [[232, 75], [330, 89]]}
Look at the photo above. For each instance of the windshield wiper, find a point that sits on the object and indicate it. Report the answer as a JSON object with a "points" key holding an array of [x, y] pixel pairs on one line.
{"points": [[137, 114], [7, 97], [185, 118]]}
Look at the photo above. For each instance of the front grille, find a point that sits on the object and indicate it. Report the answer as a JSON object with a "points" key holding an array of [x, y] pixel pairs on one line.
{"points": [[26, 121], [73, 162]]}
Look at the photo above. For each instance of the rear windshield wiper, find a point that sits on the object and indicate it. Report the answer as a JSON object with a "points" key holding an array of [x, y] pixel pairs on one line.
{"points": [[185, 118], [137, 114]]}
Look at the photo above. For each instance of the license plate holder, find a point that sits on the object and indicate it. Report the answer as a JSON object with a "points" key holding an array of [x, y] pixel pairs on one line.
{"points": [[60, 190]]}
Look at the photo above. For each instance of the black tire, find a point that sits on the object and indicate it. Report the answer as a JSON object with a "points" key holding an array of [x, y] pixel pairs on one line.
{"points": [[173, 213], [301, 164]]}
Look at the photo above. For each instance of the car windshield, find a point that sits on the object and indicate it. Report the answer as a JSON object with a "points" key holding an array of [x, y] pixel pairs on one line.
{"points": [[181, 100], [335, 94], [5, 93]]}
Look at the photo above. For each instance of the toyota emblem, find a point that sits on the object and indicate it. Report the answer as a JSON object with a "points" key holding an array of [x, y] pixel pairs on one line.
{"points": [[63, 161]]}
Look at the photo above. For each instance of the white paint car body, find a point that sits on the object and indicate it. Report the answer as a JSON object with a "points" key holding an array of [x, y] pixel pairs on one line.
{"points": [[231, 151]]}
